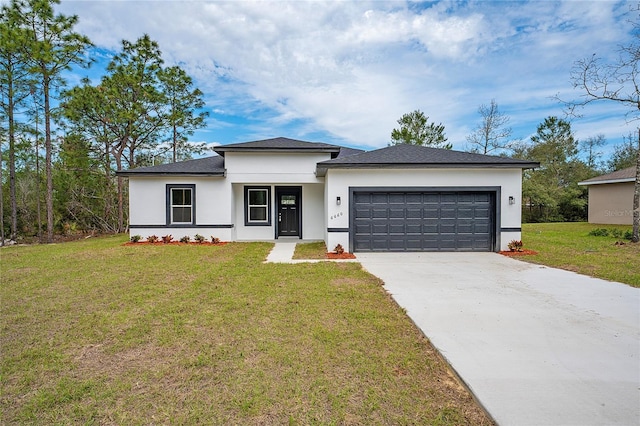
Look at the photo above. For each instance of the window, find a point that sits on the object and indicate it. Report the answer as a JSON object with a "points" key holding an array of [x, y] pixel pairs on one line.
{"points": [[257, 211], [180, 204]]}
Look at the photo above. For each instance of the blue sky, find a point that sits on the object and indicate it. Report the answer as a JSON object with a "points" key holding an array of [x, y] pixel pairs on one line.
{"points": [[344, 72]]}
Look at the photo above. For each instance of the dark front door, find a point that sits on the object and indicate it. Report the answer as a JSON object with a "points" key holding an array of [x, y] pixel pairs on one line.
{"points": [[289, 212]]}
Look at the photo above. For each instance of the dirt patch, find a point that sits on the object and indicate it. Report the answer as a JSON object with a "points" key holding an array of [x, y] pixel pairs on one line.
{"points": [[99, 360], [332, 255], [524, 252]]}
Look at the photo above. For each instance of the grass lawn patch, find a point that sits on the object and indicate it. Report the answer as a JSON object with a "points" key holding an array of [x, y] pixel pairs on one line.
{"points": [[317, 250], [99, 332], [569, 246], [314, 250]]}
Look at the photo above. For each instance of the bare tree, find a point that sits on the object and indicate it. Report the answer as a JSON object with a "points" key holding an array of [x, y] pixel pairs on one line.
{"points": [[490, 134], [619, 82]]}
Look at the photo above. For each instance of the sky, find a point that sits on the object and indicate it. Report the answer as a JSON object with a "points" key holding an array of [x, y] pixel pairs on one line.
{"points": [[344, 72]]}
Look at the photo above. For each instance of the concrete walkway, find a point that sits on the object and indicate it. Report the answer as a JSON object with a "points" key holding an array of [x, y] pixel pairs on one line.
{"points": [[536, 345], [282, 252]]}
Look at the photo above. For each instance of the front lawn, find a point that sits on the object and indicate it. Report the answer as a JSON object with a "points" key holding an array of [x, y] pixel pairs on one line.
{"points": [[97, 332], [569, 246]]}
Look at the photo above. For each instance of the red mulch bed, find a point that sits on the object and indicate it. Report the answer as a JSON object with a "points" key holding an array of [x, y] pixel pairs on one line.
{"points": [[524, 252], [173, 243], [332, 255]]}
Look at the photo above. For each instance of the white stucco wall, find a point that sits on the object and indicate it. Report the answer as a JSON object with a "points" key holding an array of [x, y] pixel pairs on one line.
{"points": [[148, 208], [220, 200], [275, 168], [338, 182], [312, 213]]}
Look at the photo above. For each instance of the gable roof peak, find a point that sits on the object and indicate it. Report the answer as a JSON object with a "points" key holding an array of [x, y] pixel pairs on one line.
{"points": [[278, 144]]}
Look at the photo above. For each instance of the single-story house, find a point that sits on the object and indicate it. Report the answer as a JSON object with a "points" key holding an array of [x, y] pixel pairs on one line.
{"points": [[398, 198], [611, 197]]}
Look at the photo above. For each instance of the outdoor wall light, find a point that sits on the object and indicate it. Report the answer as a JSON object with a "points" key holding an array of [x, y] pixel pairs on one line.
{"points": [[511, 199], [338, 201]]}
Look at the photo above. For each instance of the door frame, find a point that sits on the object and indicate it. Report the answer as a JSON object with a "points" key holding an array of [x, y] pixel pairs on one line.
{"points": [[288, 190]]}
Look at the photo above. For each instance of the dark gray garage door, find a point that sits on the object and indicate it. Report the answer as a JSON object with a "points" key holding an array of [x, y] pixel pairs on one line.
{"points": [[423, 221]]}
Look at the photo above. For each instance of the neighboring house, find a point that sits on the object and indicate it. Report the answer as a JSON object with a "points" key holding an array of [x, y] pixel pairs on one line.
{"points": [[398, 198], [611, 197]]}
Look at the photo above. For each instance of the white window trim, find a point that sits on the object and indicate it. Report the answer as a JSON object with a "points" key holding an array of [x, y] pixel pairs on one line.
{"points": [[249, 206]]}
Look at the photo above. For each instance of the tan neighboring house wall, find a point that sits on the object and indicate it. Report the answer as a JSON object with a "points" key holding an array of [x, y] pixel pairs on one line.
{"points": [[611, 197], [611, 204]]}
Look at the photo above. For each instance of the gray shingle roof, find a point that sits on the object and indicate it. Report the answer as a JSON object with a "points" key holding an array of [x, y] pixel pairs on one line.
{"points": [[420, 156], [278, 144], [209, 166], [624, 175], [342, 157]]}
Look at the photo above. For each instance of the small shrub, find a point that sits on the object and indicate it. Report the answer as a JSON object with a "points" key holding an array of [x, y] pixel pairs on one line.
{"points": [[153, 238], [136, 238], [616, 233], [167, 239], [515, 245], [628, 235], [185, 239], [599, 232], [215, 240], [339, 249], [199, 238]]}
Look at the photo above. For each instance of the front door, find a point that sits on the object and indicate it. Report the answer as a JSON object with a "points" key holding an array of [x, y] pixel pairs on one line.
{"points": [[289, 212]]}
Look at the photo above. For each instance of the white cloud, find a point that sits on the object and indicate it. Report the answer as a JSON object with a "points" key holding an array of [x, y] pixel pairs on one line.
{"points": [[349, 70]]}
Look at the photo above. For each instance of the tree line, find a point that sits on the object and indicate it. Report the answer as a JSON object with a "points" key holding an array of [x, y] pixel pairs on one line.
{"points": [[62, 146]]}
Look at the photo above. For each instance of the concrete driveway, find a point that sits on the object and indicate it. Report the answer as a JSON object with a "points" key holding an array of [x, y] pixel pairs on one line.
{"points": [[536, 345]]}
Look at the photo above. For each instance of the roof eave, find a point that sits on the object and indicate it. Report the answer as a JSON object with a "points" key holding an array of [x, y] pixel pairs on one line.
{"points": [[223, 150], [126, 173], [321, 169], [600, 182]]}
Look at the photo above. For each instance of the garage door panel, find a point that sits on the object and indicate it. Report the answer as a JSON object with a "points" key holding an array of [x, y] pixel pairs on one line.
{"points": [[448, 213], [466, 228], [431, 213], [413, 213], [431, 198], [379, 228], [377, 213], [363, 228], [398, 198], [466, 198], [413, 228], [466, 213], [414, 198], [397, 229], [430, 228], [423, 221], [396, 213], [482, 197], [448, 198], [482, 228], [363, 213], [379, 199]]}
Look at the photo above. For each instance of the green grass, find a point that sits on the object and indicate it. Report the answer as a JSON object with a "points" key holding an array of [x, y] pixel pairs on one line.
{"points": [[314, 250], [569, 246], [95, 332]]}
